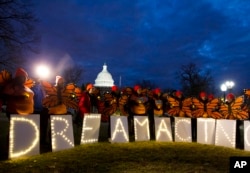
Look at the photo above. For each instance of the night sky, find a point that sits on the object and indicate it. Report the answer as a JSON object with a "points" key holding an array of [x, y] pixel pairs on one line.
{"points": [[147, 39]]}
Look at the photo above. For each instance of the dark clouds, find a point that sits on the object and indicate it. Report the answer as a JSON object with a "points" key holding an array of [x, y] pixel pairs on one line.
{"points": [[150, 40]]}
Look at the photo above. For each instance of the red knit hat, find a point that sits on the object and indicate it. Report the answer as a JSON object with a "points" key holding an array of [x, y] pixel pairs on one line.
{"points": [[210, 96], [21, 72], [203, 94], [157, 91], [178, 93], [114, 88], [136, 87], [89, 86], [230, 96]]}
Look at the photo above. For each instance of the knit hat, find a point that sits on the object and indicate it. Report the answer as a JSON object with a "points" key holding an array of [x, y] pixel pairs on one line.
{"points": [[210, 96], [157, 91], [21, 72], [230, 96], [114, 88], [136, 87], [202, 94], [89, 86], [178, 93]]}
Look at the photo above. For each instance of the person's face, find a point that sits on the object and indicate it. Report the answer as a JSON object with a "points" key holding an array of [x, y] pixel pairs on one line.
{"points": [[60, 83], [203, 97], [91, 90], [138, 91], [229, 100], [178, 95], [21, 79]]}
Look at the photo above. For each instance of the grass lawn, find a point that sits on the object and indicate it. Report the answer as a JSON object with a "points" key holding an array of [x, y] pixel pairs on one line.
{"points": [[151, 156]]}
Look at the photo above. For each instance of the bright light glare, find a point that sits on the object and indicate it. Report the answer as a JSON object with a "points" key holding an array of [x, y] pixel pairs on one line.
{"points": [[223, 87], [42, 71], [230, 84]]}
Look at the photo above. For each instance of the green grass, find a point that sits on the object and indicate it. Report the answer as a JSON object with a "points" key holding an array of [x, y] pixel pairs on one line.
{"points": [[151, 156]]}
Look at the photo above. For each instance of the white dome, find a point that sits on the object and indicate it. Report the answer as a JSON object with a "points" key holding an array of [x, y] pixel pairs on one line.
{"points": [[104, 78]]}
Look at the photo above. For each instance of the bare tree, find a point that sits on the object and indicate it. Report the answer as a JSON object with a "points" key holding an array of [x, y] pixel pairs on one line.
{"points": [[193, 80], [17, 33], [73, 75], [146, 84]]}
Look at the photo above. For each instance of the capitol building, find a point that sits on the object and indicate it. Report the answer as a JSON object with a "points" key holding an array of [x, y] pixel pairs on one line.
{"points": [[104, 80]]}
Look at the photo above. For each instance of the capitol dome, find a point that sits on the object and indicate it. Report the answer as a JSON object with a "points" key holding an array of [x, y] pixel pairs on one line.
{"points": [[104, 78]]}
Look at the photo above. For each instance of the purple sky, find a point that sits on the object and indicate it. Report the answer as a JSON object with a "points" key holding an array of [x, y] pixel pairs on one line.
{"points": [[147, 39]]}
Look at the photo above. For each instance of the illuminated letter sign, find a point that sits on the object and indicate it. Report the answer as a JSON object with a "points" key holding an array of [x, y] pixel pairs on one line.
{"points": [[246, 135], [61, 132], [24, 135], [119, 129], [205, 130], [141, 126], [225, 133], [163, 131], [90, 128], [183, 129]]}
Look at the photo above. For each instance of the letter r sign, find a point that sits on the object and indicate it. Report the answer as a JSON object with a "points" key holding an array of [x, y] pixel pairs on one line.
{"points": [[239, 164]]}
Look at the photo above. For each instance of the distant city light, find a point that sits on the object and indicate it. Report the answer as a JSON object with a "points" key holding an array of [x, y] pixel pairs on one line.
{"points": [[42, 71]]}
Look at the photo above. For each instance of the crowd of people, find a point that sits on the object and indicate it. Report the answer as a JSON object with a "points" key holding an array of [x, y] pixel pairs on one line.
{"points": [[136, 100], [18, 97]]}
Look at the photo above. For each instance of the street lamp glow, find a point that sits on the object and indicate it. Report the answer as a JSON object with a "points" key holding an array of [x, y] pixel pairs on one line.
{"points": [[42, 71], [223, 87], [230, 84]]}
